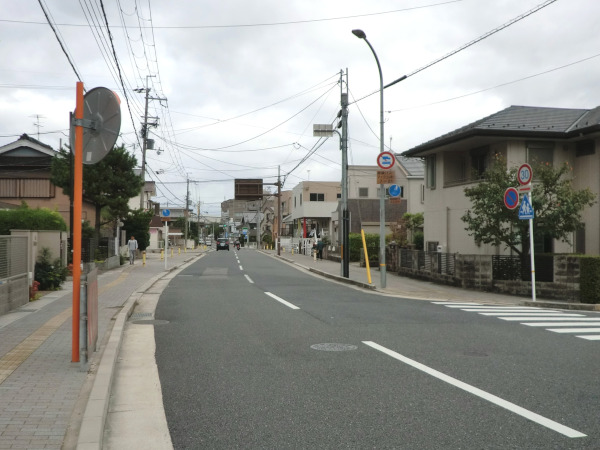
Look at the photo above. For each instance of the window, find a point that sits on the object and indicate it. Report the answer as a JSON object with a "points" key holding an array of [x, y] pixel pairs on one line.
{"points": [[540, 153], [339, 195], [363, 191], [295, 202], [479, 158], [430, 171], [584, 148], [300, 199], [317, 197], [422, 193]]}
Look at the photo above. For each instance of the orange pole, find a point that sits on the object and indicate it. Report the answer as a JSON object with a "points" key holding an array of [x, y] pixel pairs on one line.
{"points": [[77, 202]]}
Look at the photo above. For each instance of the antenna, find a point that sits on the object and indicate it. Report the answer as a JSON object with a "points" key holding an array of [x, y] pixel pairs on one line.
{"points": [[37, 123]]}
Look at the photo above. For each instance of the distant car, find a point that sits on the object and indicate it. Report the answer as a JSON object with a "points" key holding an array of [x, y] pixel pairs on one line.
{"points": [[222, 244]]}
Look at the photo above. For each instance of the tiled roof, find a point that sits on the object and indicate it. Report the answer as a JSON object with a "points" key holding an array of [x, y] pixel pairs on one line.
{"points": [[414, 167], [520, 121]]}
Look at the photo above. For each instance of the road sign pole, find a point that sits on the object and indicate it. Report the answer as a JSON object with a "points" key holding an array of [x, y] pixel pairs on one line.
{"points": [[531, 253]]}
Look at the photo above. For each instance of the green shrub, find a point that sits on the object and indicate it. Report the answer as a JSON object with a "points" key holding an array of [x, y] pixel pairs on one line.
{"points": [[30, 219], [50, 274], [589, 279], [356, 246]]}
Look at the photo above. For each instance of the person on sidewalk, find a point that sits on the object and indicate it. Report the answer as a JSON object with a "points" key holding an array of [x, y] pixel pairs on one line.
{"points": [[132, 244], [320, 246]]}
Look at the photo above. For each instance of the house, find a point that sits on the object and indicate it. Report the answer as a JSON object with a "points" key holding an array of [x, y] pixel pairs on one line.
{"points": [[520, 134], [25, 176], [313, 203], [364, 195]]}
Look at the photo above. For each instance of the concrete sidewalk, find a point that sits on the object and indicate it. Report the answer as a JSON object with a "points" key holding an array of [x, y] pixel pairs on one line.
{"points": [[404, 287], [44, 397]]}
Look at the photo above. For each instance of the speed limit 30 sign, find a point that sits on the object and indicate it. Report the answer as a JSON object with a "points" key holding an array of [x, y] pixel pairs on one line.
{"points": [[525, 174]]}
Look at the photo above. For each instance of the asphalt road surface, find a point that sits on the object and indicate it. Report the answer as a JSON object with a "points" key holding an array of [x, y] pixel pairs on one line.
{"points": [[259, 354]]}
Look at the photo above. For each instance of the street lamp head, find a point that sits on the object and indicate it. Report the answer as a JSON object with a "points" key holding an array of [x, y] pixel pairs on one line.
{"points": [[359, 34]]}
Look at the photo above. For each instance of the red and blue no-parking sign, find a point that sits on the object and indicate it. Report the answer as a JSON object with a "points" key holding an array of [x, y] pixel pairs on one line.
{"points": [[511, 198], [386, 160]]}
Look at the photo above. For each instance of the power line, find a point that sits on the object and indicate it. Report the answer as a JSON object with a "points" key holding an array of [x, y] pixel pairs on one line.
{"points": [[60, 42], [473, 42], [269, 24]]}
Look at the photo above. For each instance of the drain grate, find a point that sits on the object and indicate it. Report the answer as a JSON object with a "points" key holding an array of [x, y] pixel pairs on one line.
{"points": [[140, 315], [151, 322], [333, 347]]}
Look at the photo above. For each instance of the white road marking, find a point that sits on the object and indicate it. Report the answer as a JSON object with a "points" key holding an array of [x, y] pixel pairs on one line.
{"points": [[508, 310], [557, 319], [241, 268], [458, 305], [548, 423], [575, 330], [561, 324], [279, 299], [249, 279], [531, 314], [594, 337]]}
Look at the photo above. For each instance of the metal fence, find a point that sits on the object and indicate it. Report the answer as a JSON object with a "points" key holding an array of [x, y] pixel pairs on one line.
{"points": [[94, 249], [432, 262], [514, 268], [14, 285]]}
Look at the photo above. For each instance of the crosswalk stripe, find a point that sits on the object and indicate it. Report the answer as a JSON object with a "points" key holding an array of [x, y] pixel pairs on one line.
{"points": [[595, 337], [541, 313], [536, 317], [575, 330], [557, 319], [561, 324], [519, 310]]}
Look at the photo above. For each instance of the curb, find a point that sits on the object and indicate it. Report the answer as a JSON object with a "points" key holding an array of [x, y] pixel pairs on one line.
{"points": [[563, 305], [91, 432], [327, 274]]}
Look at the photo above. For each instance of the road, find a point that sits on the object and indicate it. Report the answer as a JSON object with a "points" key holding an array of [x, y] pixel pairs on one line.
{"points": [[254, 353]]}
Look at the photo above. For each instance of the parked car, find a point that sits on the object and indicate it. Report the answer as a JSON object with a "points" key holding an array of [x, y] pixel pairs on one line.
{"points": [[222, 244]]}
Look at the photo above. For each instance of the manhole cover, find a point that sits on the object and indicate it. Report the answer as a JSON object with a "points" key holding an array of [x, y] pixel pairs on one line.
{"points": [[150, 322], [333, 347]]}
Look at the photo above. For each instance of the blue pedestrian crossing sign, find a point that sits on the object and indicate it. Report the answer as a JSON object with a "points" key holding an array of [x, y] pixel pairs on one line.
{"points": [[526, 210]]}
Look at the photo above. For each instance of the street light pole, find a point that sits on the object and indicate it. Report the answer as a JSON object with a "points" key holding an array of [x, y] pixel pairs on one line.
{"points": [[382, 266]]}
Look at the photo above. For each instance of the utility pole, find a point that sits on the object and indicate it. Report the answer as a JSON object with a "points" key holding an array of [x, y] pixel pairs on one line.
{"points": [[144, 133], [279, 215], [186, 212], [345, 213]]}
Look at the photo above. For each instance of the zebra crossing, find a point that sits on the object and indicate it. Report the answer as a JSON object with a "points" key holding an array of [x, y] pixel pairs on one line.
{"points": [[556, 321]]}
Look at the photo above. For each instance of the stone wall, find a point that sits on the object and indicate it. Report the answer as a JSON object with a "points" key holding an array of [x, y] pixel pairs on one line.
{"points": [[476, 272]]}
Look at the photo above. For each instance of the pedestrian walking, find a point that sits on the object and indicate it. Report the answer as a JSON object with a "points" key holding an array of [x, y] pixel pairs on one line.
{"points": [[132, 244], [320, 246]]}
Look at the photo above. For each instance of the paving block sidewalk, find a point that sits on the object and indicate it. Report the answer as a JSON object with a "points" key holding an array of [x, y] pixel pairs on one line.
{"points": [[42, 393]]}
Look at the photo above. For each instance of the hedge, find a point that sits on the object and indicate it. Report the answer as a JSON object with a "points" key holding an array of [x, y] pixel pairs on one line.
{"points": [[589, 279], [30, 219]]}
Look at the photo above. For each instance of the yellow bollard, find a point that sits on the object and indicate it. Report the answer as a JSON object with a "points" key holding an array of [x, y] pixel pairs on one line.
{"points": [[171, 252], [144, 258], [162, 255], [179, 250]]}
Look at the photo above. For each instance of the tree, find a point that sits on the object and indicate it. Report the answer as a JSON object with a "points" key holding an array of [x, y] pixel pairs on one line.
{"points": [[109, 183], [557, 207], [137, 223]]}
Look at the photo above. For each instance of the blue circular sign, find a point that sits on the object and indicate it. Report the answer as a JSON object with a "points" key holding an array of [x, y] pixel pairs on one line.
{"points": [[511, 198], [166, 212], [395, 190]]}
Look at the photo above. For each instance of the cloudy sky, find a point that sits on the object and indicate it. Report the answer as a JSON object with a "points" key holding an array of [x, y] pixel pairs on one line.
{"points": [[245, 81]]}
